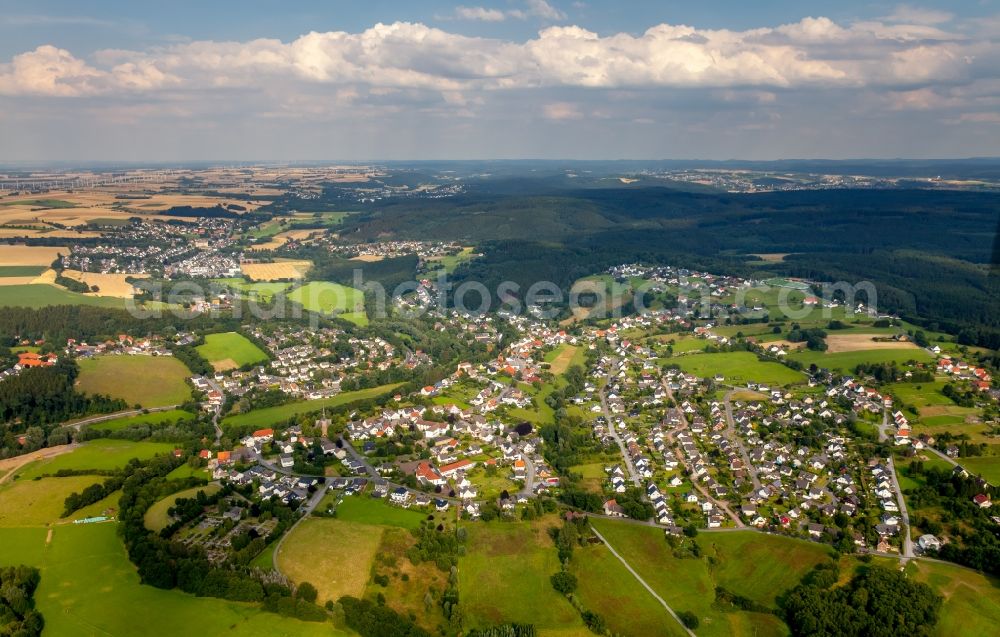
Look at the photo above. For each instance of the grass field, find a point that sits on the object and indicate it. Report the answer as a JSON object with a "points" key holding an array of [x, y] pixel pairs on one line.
{"points": [[608, 589], [505, 578], [89, 588], [271, 415], [263, 291], [327, 298], [918, 394], [333, 555], [847, 361], [564, 356], [760, 566], [365, 510], [986, 466], [156, 417], [150, 381], [971, 600], [21, 270], [45, 295], [738, 367], [98, 454], [157, 517], [230, 350], [38, 502], [689, 584]]}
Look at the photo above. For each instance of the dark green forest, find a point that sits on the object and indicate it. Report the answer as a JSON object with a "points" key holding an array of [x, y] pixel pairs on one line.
{"points": [[927, 252]]}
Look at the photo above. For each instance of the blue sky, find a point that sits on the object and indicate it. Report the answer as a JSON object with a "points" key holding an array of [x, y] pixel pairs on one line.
{"points": [[516, 78]]}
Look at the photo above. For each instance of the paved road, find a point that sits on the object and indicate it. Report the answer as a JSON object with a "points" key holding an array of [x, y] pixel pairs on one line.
{"points": [[904, 515], [735, 438], [643, 582], [632, 473], [118, 414], [528, 490]]}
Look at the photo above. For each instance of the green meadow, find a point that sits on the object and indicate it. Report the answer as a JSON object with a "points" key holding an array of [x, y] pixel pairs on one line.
{"points": [[331, 298], [45, 295], [150, 381], [367, 510], [738, 367], [505, 578], [231, 346], [847, 361], [170, 416], [101, 454], [271, 415], [89, 588]]}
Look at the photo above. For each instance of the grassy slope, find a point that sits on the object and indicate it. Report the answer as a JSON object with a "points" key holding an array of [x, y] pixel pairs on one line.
{"points": [[738, 367], [847, 361], [89, 588], [38, 502], [231, 345], [271, 415], [972, 601], [319, 551], [505, 578], [689, 584], [150, 381], [154, 417], [95, 455]]}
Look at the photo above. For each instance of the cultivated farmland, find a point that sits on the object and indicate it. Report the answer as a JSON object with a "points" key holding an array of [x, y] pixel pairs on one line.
{"points": [[280, 270], [150, 381], [30, 255]]}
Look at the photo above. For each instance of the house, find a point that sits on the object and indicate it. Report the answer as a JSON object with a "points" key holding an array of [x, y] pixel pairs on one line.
{"points": [[929, 543], [426, 474], [982, 500], [263, 435], [613, 509], [400, 495]]}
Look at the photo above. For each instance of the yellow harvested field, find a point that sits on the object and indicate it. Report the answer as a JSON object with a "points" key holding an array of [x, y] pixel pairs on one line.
{"points": [[107, 284], [273, 244], [837, 343], [771, 257], [368, 258], [299, 235], [30, 255], [333, 555], [276, 271]]}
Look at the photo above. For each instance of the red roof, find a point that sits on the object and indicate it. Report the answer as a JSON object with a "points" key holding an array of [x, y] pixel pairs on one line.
{"points": [[263, 433]]}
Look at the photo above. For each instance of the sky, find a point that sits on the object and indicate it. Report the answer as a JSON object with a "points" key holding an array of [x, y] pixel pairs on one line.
{"points": [[258, 80]]}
